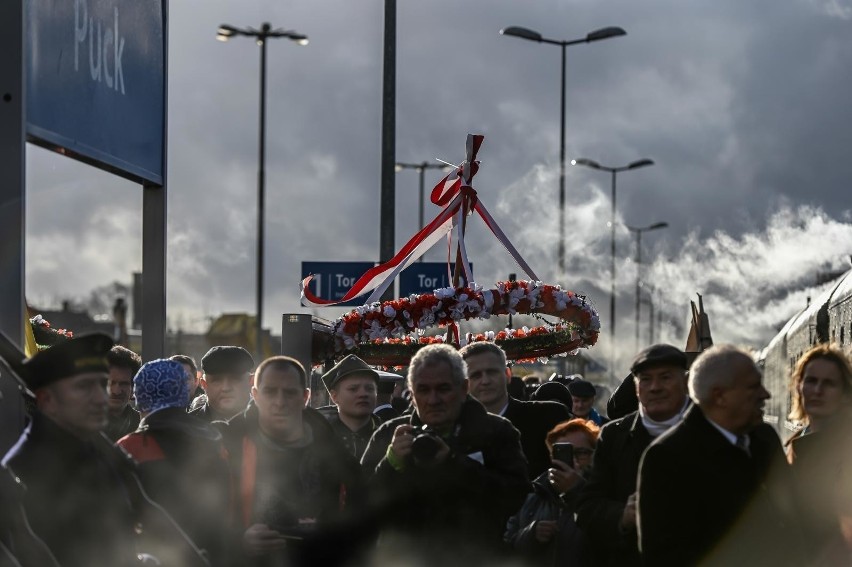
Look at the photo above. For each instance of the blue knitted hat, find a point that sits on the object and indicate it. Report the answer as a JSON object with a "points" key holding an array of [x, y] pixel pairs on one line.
{"points": [[159, 384]]}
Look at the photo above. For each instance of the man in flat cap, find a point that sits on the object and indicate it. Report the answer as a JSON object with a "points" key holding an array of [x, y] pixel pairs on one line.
{"points": [[74, 498], [226, 379], [583, 400], [606, 509], [352, 385]]}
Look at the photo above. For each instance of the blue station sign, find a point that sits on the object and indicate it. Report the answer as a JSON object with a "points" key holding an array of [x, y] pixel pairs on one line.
{"points": [[96, 87], [425, 277], [333, 279]]}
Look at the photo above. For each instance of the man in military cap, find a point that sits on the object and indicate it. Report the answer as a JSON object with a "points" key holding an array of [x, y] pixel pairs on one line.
{"points": [[390, 387], [352, 385], [226, 379], [74, 499]]}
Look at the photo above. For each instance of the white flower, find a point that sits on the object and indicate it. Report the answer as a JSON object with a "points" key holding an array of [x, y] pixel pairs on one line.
{"points": [[389, 312]]}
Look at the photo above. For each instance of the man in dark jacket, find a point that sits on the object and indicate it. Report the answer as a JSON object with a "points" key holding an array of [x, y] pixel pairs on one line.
{"points": [[181, 459], [489, 377], [123, 366], [390, 388], [449, 487], [715, 489], [299, 489], [607, 504]]}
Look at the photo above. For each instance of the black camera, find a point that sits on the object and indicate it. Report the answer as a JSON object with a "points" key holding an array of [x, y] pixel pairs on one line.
{"points": [[425, 445]]}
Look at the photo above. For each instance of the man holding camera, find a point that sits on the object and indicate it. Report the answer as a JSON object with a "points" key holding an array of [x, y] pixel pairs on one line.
{"points": [[447, 477]]}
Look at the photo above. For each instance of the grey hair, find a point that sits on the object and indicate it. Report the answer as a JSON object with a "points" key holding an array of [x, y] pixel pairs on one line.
{"points": [[431, 355], [714, 368]]}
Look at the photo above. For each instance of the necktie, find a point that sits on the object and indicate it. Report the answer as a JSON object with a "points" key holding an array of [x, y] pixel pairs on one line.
{"points": [[742, 443]]}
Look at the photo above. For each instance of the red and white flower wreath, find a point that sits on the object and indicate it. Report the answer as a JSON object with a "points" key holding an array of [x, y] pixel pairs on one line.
{"points": [[388, 333]]}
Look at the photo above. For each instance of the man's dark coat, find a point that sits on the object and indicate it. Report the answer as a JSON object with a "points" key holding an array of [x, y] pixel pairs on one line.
{"points": [[612, 480], [533, 420], [704, 500]]}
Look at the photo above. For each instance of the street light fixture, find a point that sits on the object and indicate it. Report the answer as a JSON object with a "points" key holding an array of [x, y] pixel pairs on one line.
{"points": [[638, 231], [532, 35], [421, 169], [613, 170], [265, 32]]}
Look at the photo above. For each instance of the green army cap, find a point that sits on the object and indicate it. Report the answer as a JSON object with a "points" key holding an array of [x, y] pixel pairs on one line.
{"points": [[346, 367]]}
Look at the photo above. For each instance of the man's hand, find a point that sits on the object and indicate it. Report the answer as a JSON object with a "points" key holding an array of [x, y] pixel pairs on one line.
{"points": [[260, 539], [401, 442], [628, 518], [545, 530], [562, 477]]}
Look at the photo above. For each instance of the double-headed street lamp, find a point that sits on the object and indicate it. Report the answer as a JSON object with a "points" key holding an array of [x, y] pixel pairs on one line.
{"points": [[421, 169], [613, 170], [638, 231], [597, 35], [265, 32]]}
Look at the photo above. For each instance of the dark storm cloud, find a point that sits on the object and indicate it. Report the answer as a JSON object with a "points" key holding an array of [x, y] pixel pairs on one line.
{"points": [[742, 105]]}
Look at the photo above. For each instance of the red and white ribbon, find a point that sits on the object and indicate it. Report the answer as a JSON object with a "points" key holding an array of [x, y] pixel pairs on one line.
{"points": [[457, 197]]}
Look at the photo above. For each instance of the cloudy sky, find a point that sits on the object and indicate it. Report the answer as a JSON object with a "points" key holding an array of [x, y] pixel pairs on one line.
{"points": [[742, 105]]}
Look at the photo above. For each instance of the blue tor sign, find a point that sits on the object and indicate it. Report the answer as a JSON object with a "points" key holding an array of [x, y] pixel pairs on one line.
{"points": [[425, 277], [333, 279], [96, 82]]}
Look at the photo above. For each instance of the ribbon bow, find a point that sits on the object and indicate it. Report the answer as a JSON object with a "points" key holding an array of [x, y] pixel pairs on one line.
{"points": [[457, 197]]}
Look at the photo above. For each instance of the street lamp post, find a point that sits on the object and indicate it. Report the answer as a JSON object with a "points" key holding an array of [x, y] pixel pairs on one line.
{"points": [[613, 171], [597, 35], [265, 32], [638, 231], [421, 169]]}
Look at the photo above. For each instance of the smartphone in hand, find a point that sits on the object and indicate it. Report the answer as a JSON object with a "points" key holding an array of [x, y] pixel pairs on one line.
{"points": [[564, 452]]}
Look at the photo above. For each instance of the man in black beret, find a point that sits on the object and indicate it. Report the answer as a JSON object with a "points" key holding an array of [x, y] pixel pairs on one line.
{"points": [[390, 387], [606, 509], [352, 385], [74, 499], [227, 380]]}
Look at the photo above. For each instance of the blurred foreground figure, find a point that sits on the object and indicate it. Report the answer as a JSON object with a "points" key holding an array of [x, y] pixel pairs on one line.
{"points": [[83, 498], [821, 453], [715, 489], [447, 477], [298, 488], [181, 458]]}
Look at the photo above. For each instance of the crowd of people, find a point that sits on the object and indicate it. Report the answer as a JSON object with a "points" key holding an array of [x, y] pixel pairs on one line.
{"points": [[227, 464]]}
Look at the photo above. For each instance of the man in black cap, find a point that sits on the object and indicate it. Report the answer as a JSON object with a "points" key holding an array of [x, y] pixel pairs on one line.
{"points": [[352, 386], [489, 376], [226, 379], [606, 510], [74, 499], [583, 399], [390, 388]]}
